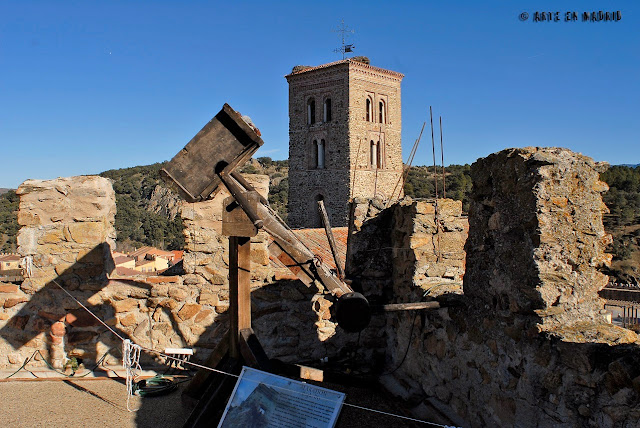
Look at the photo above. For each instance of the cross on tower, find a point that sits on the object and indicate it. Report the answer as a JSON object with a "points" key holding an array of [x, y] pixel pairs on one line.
{"points": [[344, 32]]}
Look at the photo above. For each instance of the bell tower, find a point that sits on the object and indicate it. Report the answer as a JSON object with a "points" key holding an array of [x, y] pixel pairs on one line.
{"points": [[344, 138]]}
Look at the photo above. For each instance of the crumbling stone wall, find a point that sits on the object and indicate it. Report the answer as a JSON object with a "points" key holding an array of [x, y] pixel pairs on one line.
{"points": [[527, 344], [67, 233]]}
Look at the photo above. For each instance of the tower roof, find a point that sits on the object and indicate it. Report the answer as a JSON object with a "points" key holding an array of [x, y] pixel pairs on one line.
{"points": [[359, 64]]}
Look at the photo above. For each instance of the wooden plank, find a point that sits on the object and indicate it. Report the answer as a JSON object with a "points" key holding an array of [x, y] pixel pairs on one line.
{"points": [[409, 306], [234, 220], [311, 373]]}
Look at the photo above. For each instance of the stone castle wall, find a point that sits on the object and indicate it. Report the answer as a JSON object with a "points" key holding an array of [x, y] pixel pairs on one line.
{"points": [[65, 238], [527, 344], [67, 231]]}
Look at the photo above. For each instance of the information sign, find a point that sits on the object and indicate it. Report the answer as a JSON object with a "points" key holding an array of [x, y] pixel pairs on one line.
{"points": [[262, 399]]}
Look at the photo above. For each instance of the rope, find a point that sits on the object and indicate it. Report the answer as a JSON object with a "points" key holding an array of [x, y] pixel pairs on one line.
{"points": [[399, 416], [86, 309], [131, 363]]}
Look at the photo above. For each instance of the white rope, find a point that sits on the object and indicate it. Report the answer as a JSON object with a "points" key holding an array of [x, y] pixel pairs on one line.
{"points": [[131, 364], [27, 265]]}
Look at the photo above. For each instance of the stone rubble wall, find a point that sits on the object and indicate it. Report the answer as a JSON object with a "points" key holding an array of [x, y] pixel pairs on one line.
{"points": [[67, 231], [417, 243], [66, 235], [527, 344]]}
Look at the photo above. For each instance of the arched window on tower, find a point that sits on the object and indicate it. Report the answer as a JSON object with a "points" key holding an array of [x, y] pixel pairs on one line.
{"points": [[382, 112], [368, 112], [379, 155], [320, 155], [311, 111], [327, 110], [314, 148], [373, 154]]}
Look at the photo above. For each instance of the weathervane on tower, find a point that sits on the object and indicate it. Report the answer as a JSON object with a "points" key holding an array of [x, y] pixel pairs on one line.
{"points": [[345, 32]]}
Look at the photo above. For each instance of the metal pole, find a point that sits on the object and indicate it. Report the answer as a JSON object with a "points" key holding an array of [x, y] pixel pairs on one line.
{"points": [[444, 187], [433, 149]]}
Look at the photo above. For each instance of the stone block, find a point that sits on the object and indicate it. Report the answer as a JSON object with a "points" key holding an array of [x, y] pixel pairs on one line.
{"points": [[188, 311], [87, 233], [8, 288], [125, 305], [13, 301], [81, 318], [127, 320], [208, 299]]}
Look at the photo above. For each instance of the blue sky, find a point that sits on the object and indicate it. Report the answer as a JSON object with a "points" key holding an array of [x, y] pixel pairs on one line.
{"points": [[94, 85]]}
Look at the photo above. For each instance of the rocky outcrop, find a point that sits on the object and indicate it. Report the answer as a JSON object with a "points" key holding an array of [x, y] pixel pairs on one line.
{"points": [[164, 202]]}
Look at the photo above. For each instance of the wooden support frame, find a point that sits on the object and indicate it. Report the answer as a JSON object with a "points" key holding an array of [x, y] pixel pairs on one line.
{"points": [[239, 290]]}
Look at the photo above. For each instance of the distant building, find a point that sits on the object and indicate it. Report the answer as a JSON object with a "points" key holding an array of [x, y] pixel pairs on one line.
{"points": [[124, 261], [9, 262], [146, 260], [344, 138]]}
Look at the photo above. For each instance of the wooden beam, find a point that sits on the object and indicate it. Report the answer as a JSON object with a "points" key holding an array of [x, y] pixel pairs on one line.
{"points": [[239, 290], [332, 242], [252, 352], [200, 381], [407, 306]]}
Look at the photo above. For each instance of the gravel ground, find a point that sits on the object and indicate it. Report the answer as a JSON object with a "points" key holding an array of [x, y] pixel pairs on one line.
{"points": [[102, 403], [84, 403]]}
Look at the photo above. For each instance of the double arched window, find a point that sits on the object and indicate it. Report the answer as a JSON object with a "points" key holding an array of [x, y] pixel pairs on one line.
{"points": [[311, 111], [327, 110], [319, 154], [375, 155], [369, 114]]}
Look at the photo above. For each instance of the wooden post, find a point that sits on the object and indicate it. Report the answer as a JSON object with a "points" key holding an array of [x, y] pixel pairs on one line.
{"points": [[332, 242], [239, 290]]}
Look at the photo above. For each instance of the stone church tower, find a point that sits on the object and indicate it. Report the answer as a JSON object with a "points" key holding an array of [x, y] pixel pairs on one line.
{"points": [[344, 138]]}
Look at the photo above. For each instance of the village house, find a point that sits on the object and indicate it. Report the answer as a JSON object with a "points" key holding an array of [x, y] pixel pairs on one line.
{"points": [[9, 262]]}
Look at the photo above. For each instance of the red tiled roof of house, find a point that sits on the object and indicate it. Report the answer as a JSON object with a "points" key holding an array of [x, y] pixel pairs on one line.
{"points": [[122, 259], [346, 61], [161, 253], [316, 240], [126, 272], [9, 258]]}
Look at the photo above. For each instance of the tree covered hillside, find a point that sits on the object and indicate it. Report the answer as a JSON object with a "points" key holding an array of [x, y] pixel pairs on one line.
{"points": [[8, 221], [623, 221], [139, 220]]}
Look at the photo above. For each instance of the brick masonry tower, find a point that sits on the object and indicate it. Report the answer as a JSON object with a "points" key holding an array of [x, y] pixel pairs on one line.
{"points": [[344, 138]]}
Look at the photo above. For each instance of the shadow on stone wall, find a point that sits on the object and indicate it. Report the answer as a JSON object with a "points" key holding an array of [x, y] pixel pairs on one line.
{"points": [[283, 313]]}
